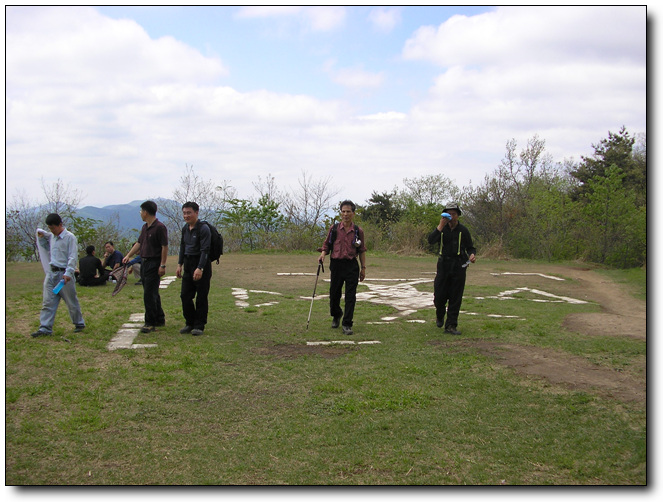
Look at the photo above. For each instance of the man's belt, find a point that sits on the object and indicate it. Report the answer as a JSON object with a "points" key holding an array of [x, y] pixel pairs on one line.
{"points": [[57, 269]]}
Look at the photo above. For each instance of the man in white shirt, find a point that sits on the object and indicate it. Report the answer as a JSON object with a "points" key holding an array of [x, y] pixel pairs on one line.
{"points": [[59, 252]]}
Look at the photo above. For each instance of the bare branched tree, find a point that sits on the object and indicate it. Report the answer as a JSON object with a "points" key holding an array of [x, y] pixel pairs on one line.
{"points": [[267, 188], [308, 205], [433, 189], [61, 198], [194, 188], [24, 215]]}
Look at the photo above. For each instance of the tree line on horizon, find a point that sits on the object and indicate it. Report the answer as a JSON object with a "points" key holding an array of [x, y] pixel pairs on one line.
{"points": [[593, 210]]}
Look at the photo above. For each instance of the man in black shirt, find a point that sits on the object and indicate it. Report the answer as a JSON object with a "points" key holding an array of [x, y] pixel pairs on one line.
{"points": [[92, 272], [195, 269], [152, 246], [456, 252]]}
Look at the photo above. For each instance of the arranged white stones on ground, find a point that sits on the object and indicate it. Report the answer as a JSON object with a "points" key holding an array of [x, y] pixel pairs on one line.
{"points": [[125, 336], [549, 297], [345, 342], [529, 273], [166, 281], [242, 295], [406, 299]]}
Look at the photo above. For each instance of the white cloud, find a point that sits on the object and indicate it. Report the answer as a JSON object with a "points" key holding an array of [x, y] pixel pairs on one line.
{"points": [[100, 104], [354, 77], [384, 19], [567, 74], [325, 18], [315, 19], [76, 46], [514, 36], [268, 11], [137, 108]]}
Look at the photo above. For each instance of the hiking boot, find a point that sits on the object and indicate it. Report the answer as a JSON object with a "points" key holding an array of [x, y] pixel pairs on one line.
{"points": [[347, 330], [147, 329], [336, 322], [451, 330], [197, 332], [39, 333], [186, 329]]}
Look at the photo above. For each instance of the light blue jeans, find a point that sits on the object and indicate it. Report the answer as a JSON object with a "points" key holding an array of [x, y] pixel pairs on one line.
{"points": [[51, 301]]}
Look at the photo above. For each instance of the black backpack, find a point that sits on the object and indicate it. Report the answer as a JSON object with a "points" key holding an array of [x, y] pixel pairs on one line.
{"points": [[334, 231], [216, 242]]}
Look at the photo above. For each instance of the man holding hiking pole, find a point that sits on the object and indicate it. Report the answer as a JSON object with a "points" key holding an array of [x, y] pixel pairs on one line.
{"points": [[344, 243]]}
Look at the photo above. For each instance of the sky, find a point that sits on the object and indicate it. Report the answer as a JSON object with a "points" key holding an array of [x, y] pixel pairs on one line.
{"points": [[116, 102]]}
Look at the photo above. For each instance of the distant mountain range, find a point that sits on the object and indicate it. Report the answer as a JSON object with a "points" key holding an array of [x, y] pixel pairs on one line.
{"points": [[129, 214]]}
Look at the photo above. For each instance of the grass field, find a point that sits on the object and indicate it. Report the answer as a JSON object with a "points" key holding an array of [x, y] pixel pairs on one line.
{"points": [[250, 403]]}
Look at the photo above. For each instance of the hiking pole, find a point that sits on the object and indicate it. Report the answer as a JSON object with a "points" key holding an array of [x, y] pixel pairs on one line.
{"points": [[314, 288]]}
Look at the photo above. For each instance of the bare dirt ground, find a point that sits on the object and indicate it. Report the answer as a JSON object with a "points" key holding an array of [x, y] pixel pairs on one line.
{"points": [[622, 315]]}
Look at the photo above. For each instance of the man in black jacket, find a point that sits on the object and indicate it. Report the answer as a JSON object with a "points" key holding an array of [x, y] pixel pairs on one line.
{"points": [[456, 252], [195, 269]]}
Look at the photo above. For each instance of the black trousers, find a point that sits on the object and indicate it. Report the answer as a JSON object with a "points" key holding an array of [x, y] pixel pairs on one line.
{"points": [[449, 287], [149, 276], [93, 281], [195, 315], [343, 272]]}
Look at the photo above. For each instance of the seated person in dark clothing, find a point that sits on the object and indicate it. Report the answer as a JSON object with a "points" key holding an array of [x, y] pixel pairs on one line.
{"points": [[112, 257], [91, 272]]}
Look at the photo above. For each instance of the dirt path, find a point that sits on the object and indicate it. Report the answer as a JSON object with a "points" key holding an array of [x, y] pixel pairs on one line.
{"points": [[622, 315]]}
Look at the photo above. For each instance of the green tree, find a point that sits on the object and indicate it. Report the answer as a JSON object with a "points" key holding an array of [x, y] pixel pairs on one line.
{"points": [[381, 209], [615, 227], [615, 150], [235, 219]]}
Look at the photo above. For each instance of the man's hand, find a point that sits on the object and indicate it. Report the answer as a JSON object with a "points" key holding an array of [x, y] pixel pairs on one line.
{"points": [[362, 274], [162, 271], [66, 278], [197, 274], [178, 271], [473, 258]]}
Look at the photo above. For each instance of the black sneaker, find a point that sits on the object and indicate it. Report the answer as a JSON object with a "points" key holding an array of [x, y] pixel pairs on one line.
{"points": [[439, 323], [37, 334], [347, 330], [186, 329], [336, 322], [147, 329], [197, 332], [78, 329], [451, 330]]}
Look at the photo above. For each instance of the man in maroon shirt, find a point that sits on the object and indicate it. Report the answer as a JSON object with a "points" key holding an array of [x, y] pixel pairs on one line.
{"points": [[344, 242]]}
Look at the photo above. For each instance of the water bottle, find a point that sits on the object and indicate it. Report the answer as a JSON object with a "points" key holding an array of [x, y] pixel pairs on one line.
{"points": [[58, 286]]}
